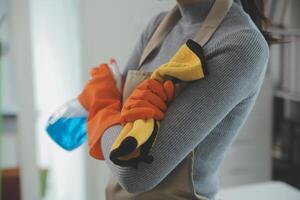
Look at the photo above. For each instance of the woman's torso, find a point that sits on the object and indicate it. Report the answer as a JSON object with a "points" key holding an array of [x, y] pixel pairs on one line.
{"points": [[198, 171]]}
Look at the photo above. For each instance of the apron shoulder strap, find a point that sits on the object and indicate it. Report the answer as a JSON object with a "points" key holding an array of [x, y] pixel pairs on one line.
{"points": [[165, 26], [214, 18]]}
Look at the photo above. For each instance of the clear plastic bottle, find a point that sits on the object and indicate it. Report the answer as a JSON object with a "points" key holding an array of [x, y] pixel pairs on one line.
{"points": [[67, 126]]}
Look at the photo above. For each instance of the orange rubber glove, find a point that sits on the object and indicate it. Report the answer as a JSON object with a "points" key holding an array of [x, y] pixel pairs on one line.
{"points": [[102, 99], [140, 115], [148, 100]]}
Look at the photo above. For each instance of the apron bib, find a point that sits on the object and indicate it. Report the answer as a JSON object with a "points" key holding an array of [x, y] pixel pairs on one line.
{"points": [[179, 183]]}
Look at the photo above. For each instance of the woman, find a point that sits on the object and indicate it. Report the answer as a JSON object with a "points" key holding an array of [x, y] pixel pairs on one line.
{"points": [[202, 122]]}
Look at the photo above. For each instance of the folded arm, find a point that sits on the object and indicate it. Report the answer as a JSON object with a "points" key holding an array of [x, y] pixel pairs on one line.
{"points": [[233, 73]]}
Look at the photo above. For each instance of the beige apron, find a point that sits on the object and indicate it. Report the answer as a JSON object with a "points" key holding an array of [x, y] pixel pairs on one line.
{"points": [[179, 183]]}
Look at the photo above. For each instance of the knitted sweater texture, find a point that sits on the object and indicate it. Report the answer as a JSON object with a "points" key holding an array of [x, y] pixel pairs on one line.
{"points": [[207, 116]]}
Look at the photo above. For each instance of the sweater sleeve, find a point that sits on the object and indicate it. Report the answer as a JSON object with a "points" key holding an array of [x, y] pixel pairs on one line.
{"points": [[234, 67]]}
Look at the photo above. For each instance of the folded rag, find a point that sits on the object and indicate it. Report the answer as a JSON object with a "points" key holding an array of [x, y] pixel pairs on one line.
{"points": [[146, 105]]}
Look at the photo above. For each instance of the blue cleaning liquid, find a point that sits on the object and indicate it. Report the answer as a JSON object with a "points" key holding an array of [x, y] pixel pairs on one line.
{"points": [[69, 133]]}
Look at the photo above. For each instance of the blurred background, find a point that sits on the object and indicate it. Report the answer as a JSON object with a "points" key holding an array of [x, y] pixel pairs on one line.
{"points": [[46, 50]]}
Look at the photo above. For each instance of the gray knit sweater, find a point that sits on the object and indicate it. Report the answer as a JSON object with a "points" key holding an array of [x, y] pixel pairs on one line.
{"points": [[209, 113]]}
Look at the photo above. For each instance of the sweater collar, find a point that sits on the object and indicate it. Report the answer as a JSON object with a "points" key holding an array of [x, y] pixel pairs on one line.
{"points": [[195, 12]]}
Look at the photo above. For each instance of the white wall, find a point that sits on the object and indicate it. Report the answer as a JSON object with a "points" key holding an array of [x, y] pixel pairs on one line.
{"points": [[21, 57], [8, 96], [45, 68], [111, 28], [56, 59]]}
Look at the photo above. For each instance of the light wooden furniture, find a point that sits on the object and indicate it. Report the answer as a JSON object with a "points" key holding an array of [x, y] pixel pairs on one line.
{"points": [[11, 184]]}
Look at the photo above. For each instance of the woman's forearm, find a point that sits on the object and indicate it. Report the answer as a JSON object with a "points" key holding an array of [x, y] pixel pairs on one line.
{"points": [[233, 75]]}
